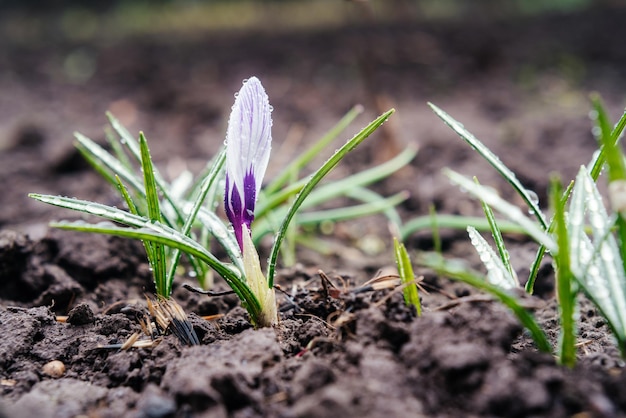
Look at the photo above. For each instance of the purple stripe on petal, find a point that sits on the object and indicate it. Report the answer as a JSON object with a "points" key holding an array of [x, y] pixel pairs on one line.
{"points": [[232, 205], [249, 187], [249, 141]]}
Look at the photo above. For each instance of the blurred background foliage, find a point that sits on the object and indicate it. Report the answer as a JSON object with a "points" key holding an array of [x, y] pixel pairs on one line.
{"points": [[84, 20]]}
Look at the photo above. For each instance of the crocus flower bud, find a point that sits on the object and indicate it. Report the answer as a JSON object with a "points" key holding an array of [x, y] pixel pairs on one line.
{"points": [[249, 141]]}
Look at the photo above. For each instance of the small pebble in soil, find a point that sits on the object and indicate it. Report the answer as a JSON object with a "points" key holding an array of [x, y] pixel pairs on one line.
{"points": [[54, 368], [81, 315]]}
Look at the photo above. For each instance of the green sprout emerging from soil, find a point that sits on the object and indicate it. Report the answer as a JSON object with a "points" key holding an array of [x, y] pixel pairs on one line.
{"points": [[586, 240], [171, 219], [407, 277]]}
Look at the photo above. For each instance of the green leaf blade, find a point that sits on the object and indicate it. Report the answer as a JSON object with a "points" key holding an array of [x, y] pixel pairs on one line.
{"points": [[497, 273], [156, 256], [407, 277], [487, 154], [505, 208], [314, 180], [603, 277], [303, 159], [192, 214], [164, 235], [566, 295], [499, 241]]}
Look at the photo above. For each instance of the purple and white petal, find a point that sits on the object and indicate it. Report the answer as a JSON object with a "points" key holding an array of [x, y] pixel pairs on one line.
{"points": [[248, 145]]}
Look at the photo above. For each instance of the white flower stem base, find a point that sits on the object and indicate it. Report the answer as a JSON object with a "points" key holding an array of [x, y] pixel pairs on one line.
{"points": [[258, 283]]}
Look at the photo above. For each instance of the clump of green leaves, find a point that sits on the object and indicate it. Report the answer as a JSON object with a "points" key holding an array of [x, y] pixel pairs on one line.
{"points": [[587, 242], [178, 217]]}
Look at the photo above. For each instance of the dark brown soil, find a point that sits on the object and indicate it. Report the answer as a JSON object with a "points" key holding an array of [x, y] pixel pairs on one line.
{"points": [[521, 85]]}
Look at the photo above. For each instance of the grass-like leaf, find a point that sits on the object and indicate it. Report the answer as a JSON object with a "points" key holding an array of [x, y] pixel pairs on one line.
{"points": [[109, 167], [505, 208], [207, 185], [496, 233], [105, 164], [127, 138], [156, 252], [616, 173], [381, 204], [132, 207], [497, 273], [117, 147], [149, 230], [601, 120], [368, 196], [314, 180], [135, 149], [360, 179], [407, 277], [581, 247], [427, 222], [162, 234], [214, 226], [313, 151], [597, 163], [529, 197], [106, 212], [337, 188], [602, 276], [566, 295], [273, 208], [338, 214], [436, 233]]}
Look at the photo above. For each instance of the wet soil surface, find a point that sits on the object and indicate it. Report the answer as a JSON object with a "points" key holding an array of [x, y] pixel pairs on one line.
{"points": [[519, 85]]}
